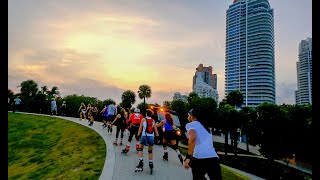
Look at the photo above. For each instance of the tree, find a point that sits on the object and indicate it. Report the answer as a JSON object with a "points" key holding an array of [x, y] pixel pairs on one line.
{"points": [[235, 98], [128, 98], [10, 93], [45, 90], [28, 88], [272, 126], [54, 91], [224, 121], [144, 92], [167, 104], [191, 96], [143, 108]]}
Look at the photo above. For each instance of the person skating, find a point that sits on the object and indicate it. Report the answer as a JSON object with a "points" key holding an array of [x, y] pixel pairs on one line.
{"points": [[147, 130], [104, 113], [201, 155], [93, 114], [112, 111], [134, 124], [120, 122], [82, 111], [169, 136]]}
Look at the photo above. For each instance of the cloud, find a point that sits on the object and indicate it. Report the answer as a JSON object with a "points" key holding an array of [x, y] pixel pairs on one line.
{"points": [[285, 93]]}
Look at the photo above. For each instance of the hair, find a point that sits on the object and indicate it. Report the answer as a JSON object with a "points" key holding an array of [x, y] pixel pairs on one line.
{"points": [[169, 118], [199, 114], [149, 112], [122, 111]]}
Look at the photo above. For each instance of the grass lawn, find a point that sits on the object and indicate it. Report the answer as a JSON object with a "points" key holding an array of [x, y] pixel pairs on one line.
{"points": [[226, 173], [42, 147]]}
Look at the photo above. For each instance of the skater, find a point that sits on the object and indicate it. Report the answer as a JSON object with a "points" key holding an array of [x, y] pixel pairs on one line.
{"points": [[112, 111], [63, 109], [147, 129], [54, 109], [104, 113], [93, 112], [169, 136], [134, 124], [120, 122], [201, 155], [82, 111]]}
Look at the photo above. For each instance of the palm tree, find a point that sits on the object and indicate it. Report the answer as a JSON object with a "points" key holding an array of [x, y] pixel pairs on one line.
{"points": [[235, 98], [44, 89], [28, 88], [144, 92], [128, 98]]}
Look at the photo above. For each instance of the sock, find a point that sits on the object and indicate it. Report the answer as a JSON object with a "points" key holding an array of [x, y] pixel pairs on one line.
{"points": [[140, 159], [150, 161], [166, 150]]}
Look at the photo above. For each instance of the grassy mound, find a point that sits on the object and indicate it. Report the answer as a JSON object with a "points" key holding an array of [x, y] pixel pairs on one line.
{"points": [[42, 147]]}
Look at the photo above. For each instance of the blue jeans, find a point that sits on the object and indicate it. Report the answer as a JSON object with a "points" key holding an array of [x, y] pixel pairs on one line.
{"points": [[147, 140]]}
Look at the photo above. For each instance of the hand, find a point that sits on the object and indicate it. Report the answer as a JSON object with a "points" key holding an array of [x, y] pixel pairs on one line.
{"points": [[186, 164]]}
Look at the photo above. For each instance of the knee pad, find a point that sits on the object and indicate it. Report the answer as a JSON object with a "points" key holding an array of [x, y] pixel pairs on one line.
{"points": [[164, 145], [139, 149], [150, 151]]}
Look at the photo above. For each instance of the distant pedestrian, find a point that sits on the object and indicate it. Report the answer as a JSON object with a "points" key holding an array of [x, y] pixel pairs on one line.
{"points": [[63, 108], [54, 109], [201, 155], [17, 104]]}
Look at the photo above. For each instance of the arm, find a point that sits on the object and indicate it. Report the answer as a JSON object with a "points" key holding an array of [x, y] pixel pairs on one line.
{"points": [[103, 110], [156, 128], [118, 116], [160, 124], [191, 144], [140, 127], [191, 141]]}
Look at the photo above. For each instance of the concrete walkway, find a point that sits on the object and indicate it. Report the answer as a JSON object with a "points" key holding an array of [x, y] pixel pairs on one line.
{"points": [[121, 167]]}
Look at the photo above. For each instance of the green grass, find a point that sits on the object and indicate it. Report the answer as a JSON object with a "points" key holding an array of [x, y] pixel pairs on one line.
{"points": [[42, 147], [225, 172]]}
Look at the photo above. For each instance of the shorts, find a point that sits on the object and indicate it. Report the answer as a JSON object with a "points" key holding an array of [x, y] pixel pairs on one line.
{"points": [[83, 111], [110, 118], [169, 135], [54, 108], [147, 140]]}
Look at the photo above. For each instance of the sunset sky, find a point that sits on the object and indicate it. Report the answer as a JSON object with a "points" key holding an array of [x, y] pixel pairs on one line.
{"points": [[101, 48]]}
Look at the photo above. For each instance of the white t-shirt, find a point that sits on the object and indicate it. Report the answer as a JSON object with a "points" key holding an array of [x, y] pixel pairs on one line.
{"points": [[204, 143]]}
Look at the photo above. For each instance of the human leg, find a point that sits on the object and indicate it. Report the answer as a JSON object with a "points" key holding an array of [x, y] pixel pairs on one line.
{"points": [[198, 168], [214, 169]]}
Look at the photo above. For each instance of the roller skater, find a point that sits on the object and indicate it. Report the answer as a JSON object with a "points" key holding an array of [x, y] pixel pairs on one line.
{"points": [[120, 121], [147, 129], [133, 123], [169, 135], [112, 111]]}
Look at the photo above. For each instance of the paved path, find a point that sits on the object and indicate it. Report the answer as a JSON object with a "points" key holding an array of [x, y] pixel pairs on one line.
{"points": [[121, 167]]}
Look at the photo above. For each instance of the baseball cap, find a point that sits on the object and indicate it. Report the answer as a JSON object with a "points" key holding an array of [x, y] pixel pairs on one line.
{"points": [[136, 110]]}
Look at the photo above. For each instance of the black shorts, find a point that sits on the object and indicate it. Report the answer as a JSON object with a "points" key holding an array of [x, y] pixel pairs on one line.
{"points": [[169, 135], [110, 118]]}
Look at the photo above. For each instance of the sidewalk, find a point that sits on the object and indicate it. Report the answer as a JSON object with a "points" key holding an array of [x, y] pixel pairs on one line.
{"points": [[121, 167]]}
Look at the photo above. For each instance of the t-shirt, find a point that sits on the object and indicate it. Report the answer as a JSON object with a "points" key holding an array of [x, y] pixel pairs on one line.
{"points": [[53, 103], [111, 109], [17, 101], [204, 143]]}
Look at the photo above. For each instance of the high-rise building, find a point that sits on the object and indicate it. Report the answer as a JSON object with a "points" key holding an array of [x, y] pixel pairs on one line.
{"points": [[249, 61], [178, 96], [205, 83], [304, 73]]}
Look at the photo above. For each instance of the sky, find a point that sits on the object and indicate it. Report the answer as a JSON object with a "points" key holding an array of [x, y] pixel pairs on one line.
{"points": [[102, 48]]}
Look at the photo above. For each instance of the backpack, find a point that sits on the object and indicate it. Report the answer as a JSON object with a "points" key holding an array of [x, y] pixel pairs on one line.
{"points": [[149, 128]]}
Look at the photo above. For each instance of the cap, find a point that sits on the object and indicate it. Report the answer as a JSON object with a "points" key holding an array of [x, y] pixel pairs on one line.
{"points": [[136, 110]]}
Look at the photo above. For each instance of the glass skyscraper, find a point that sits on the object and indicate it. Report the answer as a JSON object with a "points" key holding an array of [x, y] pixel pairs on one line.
{"points": [[304, 73], [249, 58]]}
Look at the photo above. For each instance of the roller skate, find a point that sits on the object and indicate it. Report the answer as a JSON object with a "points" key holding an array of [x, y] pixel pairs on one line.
{"points": [[137, 147], [151, 167], [180, 158], [165, 156], [139, 168], [125, 150], [115, 143], [120, 143]]}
